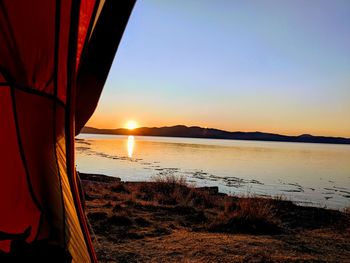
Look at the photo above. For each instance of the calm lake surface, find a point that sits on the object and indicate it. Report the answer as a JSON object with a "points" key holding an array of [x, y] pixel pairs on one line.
{"points": [[310, 174]]}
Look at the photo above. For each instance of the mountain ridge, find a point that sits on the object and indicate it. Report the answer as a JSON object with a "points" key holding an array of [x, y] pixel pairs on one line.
{"points": [[212, 133]]}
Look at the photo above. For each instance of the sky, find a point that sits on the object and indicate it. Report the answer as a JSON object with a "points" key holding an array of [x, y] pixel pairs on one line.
{"points": [[272, 66]]}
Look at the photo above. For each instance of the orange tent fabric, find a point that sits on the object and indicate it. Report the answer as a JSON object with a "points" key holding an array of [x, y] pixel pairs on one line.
{"points": [[55, 56]]}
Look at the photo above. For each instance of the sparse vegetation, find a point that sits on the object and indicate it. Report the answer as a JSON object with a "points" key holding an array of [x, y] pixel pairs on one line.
{"points": [[173, 190], [247, 215], [347, 210], [168, 220]]}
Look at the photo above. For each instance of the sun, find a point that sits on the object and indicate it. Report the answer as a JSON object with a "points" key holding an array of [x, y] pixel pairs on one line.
{"points": [[130, 125]]}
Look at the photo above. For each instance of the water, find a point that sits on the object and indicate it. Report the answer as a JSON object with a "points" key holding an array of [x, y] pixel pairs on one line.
{"points": [[310, 174]]}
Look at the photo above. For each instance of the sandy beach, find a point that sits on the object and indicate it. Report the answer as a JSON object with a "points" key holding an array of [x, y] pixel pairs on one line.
{"points": [[169, 221]]}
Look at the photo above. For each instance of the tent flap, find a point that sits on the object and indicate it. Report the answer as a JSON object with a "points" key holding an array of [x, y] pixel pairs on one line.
{"points": [[55, 56], [98, 56]]}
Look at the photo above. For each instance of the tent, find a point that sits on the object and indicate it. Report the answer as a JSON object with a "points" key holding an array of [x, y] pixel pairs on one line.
{"points": [[55, 56]]}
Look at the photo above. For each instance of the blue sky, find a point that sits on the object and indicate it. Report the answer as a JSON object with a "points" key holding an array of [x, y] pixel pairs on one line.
{"points": [[273, 66]]}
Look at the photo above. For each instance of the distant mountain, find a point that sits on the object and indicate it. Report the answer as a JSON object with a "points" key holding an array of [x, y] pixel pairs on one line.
{"points": [[198, 132]]}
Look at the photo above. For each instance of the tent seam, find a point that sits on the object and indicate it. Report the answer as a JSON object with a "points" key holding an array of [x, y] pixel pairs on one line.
{"points": [[54, 111], [20, 146], [34, 92]]}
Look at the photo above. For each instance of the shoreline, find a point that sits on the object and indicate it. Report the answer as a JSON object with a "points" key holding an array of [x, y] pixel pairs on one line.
{"points": [[169, 221], [319, 187]]}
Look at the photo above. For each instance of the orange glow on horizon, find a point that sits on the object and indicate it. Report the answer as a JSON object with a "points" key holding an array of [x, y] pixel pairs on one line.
{"points": [[131, 125], [283, 126]]}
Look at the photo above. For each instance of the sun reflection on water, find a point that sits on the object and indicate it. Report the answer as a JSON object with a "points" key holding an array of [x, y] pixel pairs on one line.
{"points": [[131, 144]]}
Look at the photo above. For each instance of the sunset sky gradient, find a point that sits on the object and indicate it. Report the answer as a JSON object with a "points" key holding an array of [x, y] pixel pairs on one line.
{"points": [[273, 66]]}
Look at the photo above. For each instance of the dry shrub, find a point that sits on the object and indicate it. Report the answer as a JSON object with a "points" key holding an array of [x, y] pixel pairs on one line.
{"points": [[280, 198], [174, 190], [199, 198], [347, 210], [230, 205], [166, 189], [256, 208], [170, 180], [165, 184], [247, 215]]}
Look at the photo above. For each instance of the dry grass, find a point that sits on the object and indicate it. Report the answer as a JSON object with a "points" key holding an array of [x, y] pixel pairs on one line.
{"points": [[170, 180], [174, 190], [247, 215], [169, 221], [240, 215]]}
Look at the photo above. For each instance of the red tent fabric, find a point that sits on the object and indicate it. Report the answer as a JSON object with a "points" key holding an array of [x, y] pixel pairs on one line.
{"points": [[55, 56]]}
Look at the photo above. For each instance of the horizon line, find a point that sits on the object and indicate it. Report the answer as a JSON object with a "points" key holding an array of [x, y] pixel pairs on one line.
{"points": [[196, 126]]}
